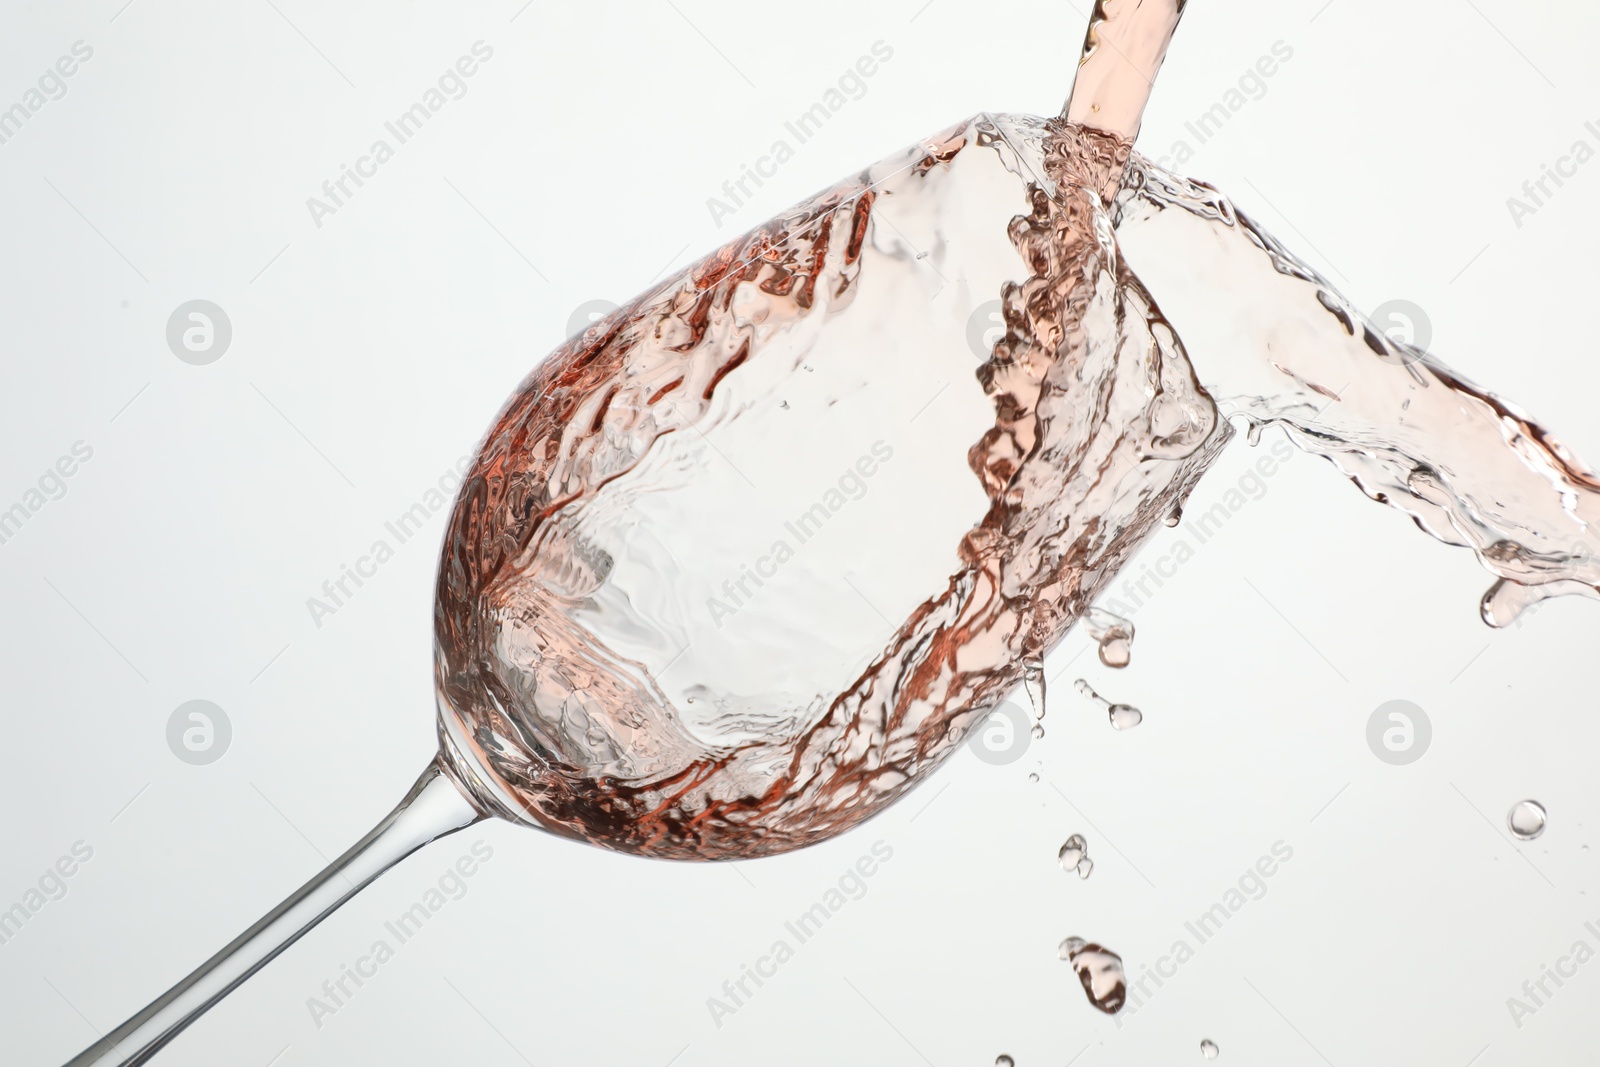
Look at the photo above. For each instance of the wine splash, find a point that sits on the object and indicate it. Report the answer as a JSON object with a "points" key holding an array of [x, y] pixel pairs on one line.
{"points": [[583, 685], [1280, 347], [742, 564]]}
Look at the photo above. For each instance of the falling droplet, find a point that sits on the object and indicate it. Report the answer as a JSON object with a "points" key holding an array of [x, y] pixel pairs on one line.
{"points": [[1208, 1049], [784, 404], [1527, 820], [1113, 633], [1038, 731], [1099, 970], [1122, 716], [1085, 868], [1174, 516], [1032, 777], [1115, 652], [1073, 852], [1033, 684], [1003, 1060], [1125, 716]]}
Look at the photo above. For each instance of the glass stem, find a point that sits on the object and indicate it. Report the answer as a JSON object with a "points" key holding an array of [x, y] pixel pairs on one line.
{"points": [[433, 808]]}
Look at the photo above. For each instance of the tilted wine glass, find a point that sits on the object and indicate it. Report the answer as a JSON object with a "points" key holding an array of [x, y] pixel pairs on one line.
{"points": [[577, 690]]}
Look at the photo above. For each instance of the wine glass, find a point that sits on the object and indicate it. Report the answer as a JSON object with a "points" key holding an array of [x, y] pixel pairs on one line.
{"points": [[577, 695]]}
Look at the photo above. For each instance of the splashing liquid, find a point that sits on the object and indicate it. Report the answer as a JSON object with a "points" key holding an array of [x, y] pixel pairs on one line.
{"points": [[1282, 348], [672, 618], [733, 568], [1112, 633]]}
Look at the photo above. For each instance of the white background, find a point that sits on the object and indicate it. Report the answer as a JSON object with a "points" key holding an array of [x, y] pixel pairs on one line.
{"points": [[369, 354]]}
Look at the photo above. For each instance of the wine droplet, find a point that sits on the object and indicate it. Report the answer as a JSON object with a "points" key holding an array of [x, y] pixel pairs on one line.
{"points": [[1113, 634], [1122, 716], [1003, 1060], [1085, 867], [1208, 1049], [1032, 777], [1527, 820], [1038, 731], [1073, 852], [1099, 970], [1033, 685]]}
